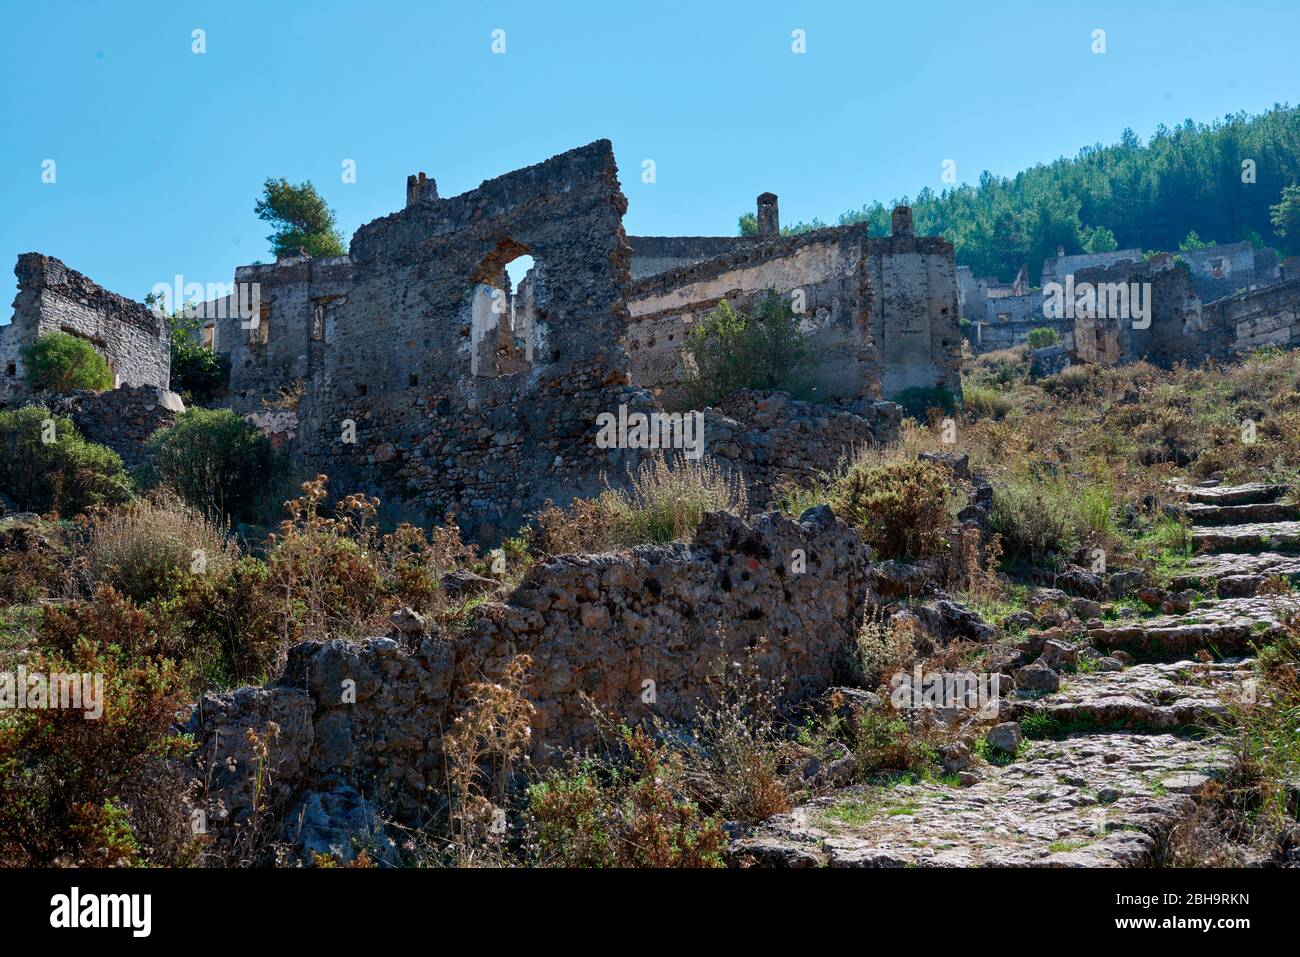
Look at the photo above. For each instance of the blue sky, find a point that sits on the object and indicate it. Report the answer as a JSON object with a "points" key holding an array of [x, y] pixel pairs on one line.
{"points": [[160, 152]]}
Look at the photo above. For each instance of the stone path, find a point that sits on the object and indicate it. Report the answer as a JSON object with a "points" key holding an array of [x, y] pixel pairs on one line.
{"points": [[1115, 757]]}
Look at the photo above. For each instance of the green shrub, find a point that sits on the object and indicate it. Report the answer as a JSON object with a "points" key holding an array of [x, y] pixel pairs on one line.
{"points": [[196, 371], [986, 402], [1042, 337], [728, 351], [215, 460], [901, 508], [917, 401], [58, 362], [1038, 520], [45, 464]]}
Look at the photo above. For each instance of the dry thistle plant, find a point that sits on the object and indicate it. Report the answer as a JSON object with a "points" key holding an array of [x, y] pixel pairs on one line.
{"points": [[484, 747]]}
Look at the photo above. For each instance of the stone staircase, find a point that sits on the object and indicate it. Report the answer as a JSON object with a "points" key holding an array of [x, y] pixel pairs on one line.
{"points": [[1115, 757], [1242, 535]]}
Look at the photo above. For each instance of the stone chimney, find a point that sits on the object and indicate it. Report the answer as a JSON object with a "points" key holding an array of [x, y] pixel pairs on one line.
{"points": [[420, 189], [900, 223], [769, 217]]}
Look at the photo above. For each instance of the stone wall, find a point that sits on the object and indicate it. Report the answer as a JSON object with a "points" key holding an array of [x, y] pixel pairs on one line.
{"points": [[122, 418], [652, 255], [428, 377], [1219, 271], [296, 304], [1061, 265], [639, 634], [53, 298], [915, 322], [772, 439], [1259, 319]]}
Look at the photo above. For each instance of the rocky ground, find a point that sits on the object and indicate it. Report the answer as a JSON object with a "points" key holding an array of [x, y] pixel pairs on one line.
{"points": [[1114, 734]]}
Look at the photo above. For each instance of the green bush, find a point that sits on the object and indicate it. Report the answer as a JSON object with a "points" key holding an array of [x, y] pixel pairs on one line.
{"points": [[901, 508], [1039, 521], [986, 402], [196, 371], [46, 465], [917, 401], [729, 351], [58, 362], [215, 460], [1041, 337]]}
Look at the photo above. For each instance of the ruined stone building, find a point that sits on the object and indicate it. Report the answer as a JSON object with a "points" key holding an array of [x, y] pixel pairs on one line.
{"points": [[1219, 271], [422, 374], [1000, 316], [274, 325], [413, 368], [1181, 327], [54, 298], [881, 313]]}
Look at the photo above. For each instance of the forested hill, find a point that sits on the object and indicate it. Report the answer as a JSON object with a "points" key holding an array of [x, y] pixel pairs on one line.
{"points": [[1192, 178]]}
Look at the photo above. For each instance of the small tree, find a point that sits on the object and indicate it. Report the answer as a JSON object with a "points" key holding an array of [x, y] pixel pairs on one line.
{"points": [[215, 460], [300, 217], [1042, 336], [729, 351], [58, 362], [1194, 241], [1098, 239], [1285, 217]]}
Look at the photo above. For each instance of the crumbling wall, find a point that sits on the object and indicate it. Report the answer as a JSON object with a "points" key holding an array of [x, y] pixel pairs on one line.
{"points": [[1177, 330], [915, 321], [822, 275], [634, 635], [1259, 319], [121, 418], [398, 410], [1219, 271], [54, 298], [277, 326]]}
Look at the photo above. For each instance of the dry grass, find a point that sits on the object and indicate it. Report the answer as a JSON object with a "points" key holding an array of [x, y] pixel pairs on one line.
{"points": [[145, 550], [666, 502]]}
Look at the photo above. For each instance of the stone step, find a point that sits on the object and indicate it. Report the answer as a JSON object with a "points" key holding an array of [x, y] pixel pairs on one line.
{"points": [[1258, 537], [1236, 574], [1090, 800], [1146, 697], [1227, 626], [1254, 513], [1249, 494]]}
